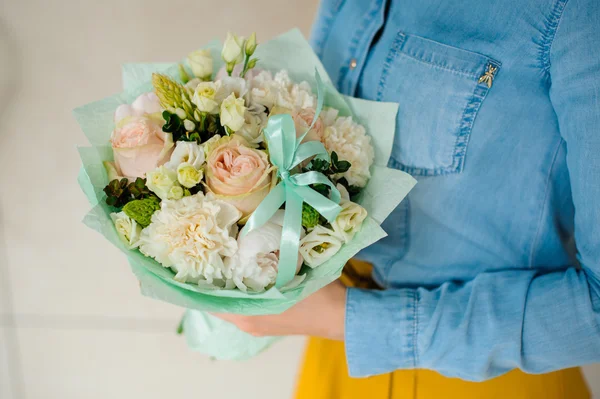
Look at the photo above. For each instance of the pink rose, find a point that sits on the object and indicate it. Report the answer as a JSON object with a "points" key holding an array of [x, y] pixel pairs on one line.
{"points": [[238, 174], [302, 120], [139, 145]]}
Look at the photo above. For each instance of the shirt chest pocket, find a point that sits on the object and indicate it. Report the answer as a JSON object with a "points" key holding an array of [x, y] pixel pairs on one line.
{"points": [[440, 90]]}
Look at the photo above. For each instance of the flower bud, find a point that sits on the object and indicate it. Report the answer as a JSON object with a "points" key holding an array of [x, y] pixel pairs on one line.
{"points": [[201, 63], [252, 63], [251, 44], [189, 125], [180, 113], [232, 52]]}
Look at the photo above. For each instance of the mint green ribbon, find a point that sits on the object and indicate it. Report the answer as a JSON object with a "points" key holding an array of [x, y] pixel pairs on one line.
{"points": [[286, 152]]}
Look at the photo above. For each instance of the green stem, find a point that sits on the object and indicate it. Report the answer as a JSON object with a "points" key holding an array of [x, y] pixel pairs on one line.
{"points": [[246, 59], [202, 120]]}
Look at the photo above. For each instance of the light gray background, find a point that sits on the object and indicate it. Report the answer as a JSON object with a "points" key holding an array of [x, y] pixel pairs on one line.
{"points": [[72, 324]]}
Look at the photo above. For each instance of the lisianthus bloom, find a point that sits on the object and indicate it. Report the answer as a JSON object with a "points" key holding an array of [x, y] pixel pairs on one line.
{"points": [[232, 113], [186, 151], [204, 97], [255, 264], [238, 174], [349, 220], [319, 246], [191, 236], [255, 119], [162, 181], [138, 142], [128, 229]]}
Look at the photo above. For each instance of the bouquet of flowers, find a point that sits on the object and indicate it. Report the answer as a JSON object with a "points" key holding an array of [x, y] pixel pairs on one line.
{"points": [[237, 181]]}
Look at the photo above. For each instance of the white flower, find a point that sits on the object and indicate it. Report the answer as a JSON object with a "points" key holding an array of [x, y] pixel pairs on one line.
{"points": [[328, 115], [127, 229], [269, 92], [251, 44], [233, 51], [254, 265], [175, 193], [145, 104], [302, 96], [351, 143], [344, 194], [204, 97], [160, 181], [187, 175], [349, 220], [201, 63], [232, 113], [192, 84], [319, 246], [228, 85], [191, 236], [186, 151], [255, 119], [279, 91]]}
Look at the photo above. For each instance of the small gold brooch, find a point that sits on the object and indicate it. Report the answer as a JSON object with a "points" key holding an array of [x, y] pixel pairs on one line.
{"points": [[488, 76]]}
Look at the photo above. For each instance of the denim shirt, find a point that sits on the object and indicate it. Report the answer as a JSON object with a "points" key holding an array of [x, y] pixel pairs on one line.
{"points": [[493, 261]]}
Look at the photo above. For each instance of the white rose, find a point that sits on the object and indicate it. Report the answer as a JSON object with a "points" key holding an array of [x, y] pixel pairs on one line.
{"points": [[188, 176], [201, 63], [319, 246], [233, 51], [349, 220], [127, 229], [187, 151], [204, 97], [232, 113], [160, 181]]}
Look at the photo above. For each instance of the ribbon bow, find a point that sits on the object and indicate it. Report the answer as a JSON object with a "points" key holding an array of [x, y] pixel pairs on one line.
{"points": [[287, 152]]}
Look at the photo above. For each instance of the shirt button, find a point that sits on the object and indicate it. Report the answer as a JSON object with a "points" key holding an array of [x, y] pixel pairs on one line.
{"points": [[353, 63]]}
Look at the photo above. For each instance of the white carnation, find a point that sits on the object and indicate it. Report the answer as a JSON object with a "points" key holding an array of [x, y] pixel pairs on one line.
{"points": [[269, 92], [191, 236], [279, 91], [351, 143]]}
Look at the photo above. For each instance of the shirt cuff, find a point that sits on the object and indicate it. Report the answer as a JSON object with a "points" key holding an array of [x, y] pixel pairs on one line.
{"points": [[380, 331]]}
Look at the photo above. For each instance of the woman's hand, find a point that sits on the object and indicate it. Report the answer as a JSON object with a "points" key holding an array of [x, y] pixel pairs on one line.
{"points": [[320, 315]]}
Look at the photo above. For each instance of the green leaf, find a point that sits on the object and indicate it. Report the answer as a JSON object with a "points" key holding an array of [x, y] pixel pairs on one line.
{"points": [[334, 157], [343, 166]]}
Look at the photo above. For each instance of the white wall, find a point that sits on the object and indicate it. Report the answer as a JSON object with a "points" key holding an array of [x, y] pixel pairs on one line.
{"points": [[72, 324]]}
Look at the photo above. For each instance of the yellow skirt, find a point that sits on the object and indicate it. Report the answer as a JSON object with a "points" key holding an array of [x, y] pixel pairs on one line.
{"points": [[324, 375]]}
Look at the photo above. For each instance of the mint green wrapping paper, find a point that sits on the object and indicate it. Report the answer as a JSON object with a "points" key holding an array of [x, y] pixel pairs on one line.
{"points": [[386, 188]]}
